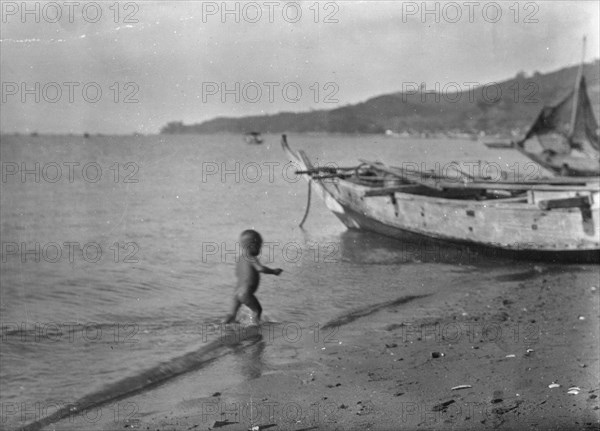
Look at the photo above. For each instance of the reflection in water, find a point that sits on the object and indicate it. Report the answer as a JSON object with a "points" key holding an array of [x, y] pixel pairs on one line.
{"points": [[250, 357], [362, 247]]}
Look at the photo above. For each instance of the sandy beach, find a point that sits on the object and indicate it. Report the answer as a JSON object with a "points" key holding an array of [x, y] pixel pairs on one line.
{"points": [[486, 353]]}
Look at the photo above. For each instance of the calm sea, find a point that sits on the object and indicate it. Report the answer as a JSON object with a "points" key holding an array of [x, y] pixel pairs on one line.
{"points": [[116, 250]]}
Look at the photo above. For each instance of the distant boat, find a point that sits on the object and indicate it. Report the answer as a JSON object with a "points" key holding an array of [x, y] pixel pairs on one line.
{"points": [[564, 137], [253, 138], [546, 217]]}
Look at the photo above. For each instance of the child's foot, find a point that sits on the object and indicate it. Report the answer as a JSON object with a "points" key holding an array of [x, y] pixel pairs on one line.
{"points": [[228, 320]]}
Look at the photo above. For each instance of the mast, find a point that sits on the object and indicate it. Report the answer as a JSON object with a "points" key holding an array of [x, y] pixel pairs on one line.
{"points": [[576, 93]]}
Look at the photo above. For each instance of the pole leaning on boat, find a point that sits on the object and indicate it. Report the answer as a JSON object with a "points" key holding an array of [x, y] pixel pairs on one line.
{"points": [[286, 147], [576, 92]]}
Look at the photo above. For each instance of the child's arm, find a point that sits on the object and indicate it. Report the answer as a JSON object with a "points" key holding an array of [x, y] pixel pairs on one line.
{"points": [[265, 269]]}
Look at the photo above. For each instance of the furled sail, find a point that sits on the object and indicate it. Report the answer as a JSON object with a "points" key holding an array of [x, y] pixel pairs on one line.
{"points": [[564, 137]]}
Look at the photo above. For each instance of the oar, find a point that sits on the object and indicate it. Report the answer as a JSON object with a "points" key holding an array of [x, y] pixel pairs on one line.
{"points": [[400, 174], [458, 169]]}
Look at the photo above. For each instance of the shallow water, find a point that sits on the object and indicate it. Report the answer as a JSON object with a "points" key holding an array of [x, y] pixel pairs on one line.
{"points": [[158, 218]]}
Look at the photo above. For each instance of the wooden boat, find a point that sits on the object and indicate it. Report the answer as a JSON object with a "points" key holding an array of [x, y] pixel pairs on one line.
{"points": [[551, 215], [253, 138], [564, 137]]}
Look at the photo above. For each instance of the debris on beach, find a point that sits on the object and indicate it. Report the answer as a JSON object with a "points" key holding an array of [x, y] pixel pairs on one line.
{"points": [[498, 397], [219, 424], [456, 388], [553, 385], [581, 317], [574, 390], [512, 355], [365, 408], [442, 407], [503, 410], [436, 355]]}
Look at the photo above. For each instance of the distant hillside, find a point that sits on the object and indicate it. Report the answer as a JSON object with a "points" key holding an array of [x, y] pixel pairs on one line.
{"points": [[513, 108]]}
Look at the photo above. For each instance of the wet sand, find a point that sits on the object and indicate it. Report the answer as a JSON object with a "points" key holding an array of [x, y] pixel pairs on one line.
{"points": [[508, 334]]}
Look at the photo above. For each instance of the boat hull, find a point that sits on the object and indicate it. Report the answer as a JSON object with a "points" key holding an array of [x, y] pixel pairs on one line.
{"points": [[509, 226], [427, 244], [566, 165]]}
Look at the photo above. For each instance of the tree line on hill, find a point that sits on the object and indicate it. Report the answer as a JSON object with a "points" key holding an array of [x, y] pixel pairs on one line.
{"points": [[494, 108]]}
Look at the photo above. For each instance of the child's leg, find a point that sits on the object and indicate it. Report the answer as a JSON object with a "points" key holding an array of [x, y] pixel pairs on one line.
{"points": [[235, 306], [252, 302]]}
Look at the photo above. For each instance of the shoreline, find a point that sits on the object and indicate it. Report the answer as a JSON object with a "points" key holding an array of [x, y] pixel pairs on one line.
{"points": [[378, 370]]}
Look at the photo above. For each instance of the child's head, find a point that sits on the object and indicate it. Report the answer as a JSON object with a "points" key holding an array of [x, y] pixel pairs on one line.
{"points": [[251, 242]]}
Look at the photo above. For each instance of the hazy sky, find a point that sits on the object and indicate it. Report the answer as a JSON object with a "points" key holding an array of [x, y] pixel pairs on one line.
{"points": [[174, 59]]}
